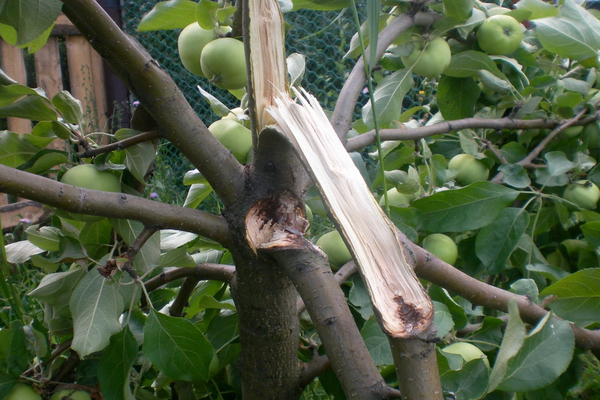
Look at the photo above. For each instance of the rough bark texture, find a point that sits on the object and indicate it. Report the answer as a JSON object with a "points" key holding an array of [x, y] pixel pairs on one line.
{"points": [[417, 355]]}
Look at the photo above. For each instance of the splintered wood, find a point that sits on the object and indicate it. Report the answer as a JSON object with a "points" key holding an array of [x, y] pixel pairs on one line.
{"points": [[267, 56], [398, 297]]}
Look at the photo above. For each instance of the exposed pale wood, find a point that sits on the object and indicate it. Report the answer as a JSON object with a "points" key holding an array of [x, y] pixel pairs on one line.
{"points": [[87, 81], [267, 57], [401, 303], [13, 65]]}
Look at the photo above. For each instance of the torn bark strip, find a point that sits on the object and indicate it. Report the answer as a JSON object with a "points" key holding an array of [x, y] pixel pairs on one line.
{"points": [[399, 300]]}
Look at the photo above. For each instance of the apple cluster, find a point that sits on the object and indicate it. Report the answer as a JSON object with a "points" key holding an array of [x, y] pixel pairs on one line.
{"points": [[206, 53]]}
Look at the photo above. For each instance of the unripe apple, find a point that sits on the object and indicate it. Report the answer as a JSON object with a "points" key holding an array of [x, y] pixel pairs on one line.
{"points": [[87, 176], [22, 391], [469, 169], [442, 247], [236, 137], [71, 394], [467, 351], [333, 245], [500, 34], [583, 193], [190, 44], [396, 199], [224, 64], [430, 62], [572, 131]]}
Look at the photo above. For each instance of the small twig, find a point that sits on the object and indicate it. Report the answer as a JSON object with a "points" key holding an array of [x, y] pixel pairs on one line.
{"points": [[135, 248], [121, 144], [217, 272], [312, 369], [494, 150], [67, 367], [186, 289], [61, 348]]}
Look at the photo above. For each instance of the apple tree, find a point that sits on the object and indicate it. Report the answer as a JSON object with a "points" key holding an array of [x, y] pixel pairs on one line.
{"points": [[488, 188]]}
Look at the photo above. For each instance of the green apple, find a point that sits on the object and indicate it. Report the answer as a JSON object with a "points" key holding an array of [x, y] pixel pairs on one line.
{"points": [[467, 351], [87, 176], [572, 131], [442, 247], [333, 245], [396, 199], [236, 137], [224, 64], [429, 59], [309, 214], [71, 394], [469, 169], [500, 34], [583, 193], [238, 115], [22, 391], [190, 44]]}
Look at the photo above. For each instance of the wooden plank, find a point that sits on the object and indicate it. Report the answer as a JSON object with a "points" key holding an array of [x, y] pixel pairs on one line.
{"points": [[13, 65], [49, 75], [87, 81]]}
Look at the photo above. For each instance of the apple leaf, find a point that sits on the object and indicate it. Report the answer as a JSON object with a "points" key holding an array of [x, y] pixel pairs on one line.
{"points": [[469, 382], [496, 241], [389, 96], [19, 252], [96, 305], [442, 319], [172, 14], [139, 157], [183, 353], [574, 34], [14, 149], [513, 339], [468, 64], [296, 66], [457, 97], [591, 232], [115, 365], [555, 172], [149, 255], [471, 207], [515, 176], [70, 108], [13, 349], [546, 353], [460, 10], [30, 107], [578, 297], [377, 342], [29, 18], [46, 237], [538, 8], [196, 194]]}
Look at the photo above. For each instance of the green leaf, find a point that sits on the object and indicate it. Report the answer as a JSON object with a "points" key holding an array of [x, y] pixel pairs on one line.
{"points": [[442, 319], [29, 18], [377, 342], [515, 176], [591, 231], [467, 64], [547, 271], [56, 289], [496, 241], [13, 350], [46, 237], [114, 368], [578, 297], [139, 157], [470, 382], [574, 34], [526, 287], [196, 194], [44, 160], [177, 258], [513, 339], [471, 207], [206, 13], [296, 66], [555, 172], [216, 105], [457, 97], [69, 107], [538, 8], [96, 306], [546, 353], [149, 255], [177, 347], [10, 93], [407, 220], [172, 14], [14, 149], [441, 295], [19, 252], [389, 96], [320, 5], [30, 107], [460, 10]]}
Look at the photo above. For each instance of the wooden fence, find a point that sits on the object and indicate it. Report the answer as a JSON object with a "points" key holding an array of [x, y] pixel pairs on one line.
{"points": [[86, 81]]}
